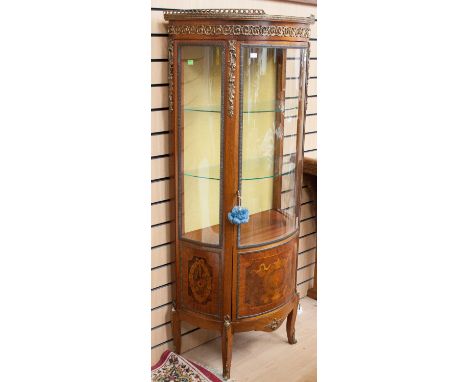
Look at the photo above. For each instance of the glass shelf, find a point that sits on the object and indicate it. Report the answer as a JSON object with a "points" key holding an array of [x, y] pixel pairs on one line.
{"points": [[203, 109], [204, 173], [262, 168], [269, 111], [216, 109], [258, 169]]}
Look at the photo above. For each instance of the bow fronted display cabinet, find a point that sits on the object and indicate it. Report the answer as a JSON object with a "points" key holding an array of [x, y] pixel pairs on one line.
{"points": [[237, 102]]}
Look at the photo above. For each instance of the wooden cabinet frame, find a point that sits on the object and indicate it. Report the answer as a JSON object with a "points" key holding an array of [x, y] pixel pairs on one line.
{"points": [[228, 265]]}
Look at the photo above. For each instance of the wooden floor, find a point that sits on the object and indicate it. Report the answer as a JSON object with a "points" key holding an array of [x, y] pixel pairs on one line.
{"points": [[267, 357]]}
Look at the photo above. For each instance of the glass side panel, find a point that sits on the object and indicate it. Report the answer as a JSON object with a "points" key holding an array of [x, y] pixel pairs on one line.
{"points": [[200, 141], [272, 92]]}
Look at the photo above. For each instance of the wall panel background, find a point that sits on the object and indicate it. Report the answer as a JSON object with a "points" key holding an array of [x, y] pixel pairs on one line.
{"points": [[162, 250]]}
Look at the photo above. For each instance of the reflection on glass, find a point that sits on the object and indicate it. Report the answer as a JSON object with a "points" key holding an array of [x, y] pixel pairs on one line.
{"points": [[272, 90], [200, 135]]}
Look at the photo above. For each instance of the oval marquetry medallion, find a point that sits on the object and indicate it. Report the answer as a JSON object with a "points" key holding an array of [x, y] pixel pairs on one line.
{"points": [[200, 278]]}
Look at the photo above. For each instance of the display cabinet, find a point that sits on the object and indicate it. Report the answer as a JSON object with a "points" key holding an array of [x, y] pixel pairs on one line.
{"points": [[237, 102]]}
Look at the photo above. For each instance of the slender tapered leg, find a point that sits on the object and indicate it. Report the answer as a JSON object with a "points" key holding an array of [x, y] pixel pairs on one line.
{"points": [[291, 323], [227, 347], [176, 337]]}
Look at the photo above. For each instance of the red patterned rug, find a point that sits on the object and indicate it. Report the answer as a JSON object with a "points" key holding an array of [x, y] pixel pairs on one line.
{"points": [[175, 368]]}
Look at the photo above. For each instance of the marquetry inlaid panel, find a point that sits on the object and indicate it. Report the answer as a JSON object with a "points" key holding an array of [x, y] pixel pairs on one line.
{"points": [[266, 279], [200, 276]]}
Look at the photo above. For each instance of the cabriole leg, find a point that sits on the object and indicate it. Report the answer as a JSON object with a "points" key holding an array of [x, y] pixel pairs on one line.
{"points": [[227, 347], [291, 323], [176, 337]]}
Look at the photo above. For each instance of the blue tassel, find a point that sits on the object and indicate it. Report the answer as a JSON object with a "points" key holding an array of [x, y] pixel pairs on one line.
{"points": [[238, 215]]}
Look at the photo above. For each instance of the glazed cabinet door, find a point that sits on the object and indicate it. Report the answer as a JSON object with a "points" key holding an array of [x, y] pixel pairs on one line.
{"points": [[200, 142], [272, 89], [200, 132]]}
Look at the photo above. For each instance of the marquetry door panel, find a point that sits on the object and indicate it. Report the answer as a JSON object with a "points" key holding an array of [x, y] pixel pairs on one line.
{"points": [[201, 280], [266, 279]]}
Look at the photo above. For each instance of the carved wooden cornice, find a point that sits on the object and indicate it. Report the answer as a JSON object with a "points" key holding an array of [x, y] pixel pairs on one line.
{"points": [[240, 30]]}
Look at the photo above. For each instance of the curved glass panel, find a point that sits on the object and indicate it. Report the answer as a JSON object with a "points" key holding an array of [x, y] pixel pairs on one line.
{"points": [[200, 134], [272, 89]]}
